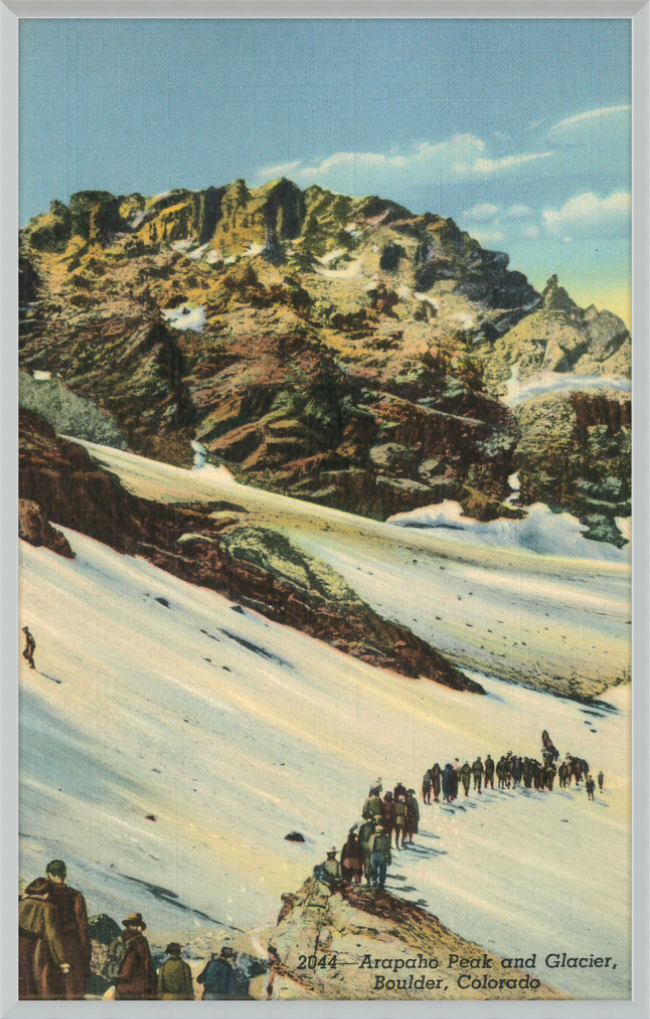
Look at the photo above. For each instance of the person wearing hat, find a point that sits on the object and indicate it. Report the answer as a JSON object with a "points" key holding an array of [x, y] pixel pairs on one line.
{"points": [[71, 920], [218, 977], [175, 977], [41, 953], [412, 816], [136, 979]]}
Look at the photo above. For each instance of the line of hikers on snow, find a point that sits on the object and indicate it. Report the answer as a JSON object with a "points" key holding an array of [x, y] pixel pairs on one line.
{"points": [[510, 770], [55, 952], [367, 850]]}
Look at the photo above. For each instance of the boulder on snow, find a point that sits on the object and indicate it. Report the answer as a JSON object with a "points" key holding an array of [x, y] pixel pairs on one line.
{"points": [[294, 836], [34, 527]]}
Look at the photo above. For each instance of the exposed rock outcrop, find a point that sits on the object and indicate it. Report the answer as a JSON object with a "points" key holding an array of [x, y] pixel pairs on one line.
{"points": [[34, 527], [372, 945], [254, 566]]}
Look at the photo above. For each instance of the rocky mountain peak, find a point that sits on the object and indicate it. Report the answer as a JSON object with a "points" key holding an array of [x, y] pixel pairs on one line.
{"points": [[556, 298]]}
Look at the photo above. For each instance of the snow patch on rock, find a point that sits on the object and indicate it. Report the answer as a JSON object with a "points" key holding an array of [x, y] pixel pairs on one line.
{"points": [[541, 530]]}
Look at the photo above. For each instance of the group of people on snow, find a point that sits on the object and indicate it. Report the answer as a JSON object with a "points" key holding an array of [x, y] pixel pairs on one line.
{"points": [[55, 951], [367, 850], [510, 770]]}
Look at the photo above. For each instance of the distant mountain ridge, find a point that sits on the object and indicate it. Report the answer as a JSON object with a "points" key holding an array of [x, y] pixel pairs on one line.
{"points": [[338, 349]]}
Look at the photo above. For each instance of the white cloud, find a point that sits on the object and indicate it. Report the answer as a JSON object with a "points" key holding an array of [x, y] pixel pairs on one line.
{"points": [[531, 232], [580, 118], [280, 170], [485, 167], [481, 212], [518, 211], [488, 236], [587, 215], [425, 165]]}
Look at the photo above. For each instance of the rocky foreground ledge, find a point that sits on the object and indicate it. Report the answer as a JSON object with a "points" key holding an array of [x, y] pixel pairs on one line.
{"points": [[374, 945], [370, 945]]}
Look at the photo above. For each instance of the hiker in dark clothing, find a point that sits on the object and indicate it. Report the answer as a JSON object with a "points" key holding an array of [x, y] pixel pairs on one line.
{"points": [[447, 783], [590, 785], [528, 772], [175, 977], [412, 815], [388, 814], [399, 790], [466, 777], [562, 774], [477, 772], [426, 787], [549, 775], [517, 770], [455, 778], [218, 977], [366, 831], [601, 781], [30, 647], [352, 860], [136, 978], [537, 775], [489, 772], [436, 774], [72, 925]]}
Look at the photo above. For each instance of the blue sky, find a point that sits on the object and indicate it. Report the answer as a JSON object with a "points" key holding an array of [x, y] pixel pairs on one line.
{"points": [[519, 129]]}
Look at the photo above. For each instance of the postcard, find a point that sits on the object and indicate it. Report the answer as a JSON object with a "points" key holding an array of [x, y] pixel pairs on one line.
{"points": [[325, 509]]}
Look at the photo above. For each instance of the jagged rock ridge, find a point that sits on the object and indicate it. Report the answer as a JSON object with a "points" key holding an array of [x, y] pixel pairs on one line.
{"points": [[336, 349]]}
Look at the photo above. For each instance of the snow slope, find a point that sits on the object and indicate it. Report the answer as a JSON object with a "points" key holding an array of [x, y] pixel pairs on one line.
{"points": [[506, 611], [232, 731]]}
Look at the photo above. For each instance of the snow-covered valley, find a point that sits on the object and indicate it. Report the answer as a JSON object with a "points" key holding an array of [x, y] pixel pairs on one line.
{"points": [[156, 697]]}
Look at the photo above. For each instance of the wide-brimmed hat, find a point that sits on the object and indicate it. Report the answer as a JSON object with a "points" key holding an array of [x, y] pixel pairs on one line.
{"points": [[134, 920], [332, 852]]}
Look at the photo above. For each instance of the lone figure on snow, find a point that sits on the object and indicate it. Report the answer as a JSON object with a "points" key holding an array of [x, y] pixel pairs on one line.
{"points": [[30, 647]]}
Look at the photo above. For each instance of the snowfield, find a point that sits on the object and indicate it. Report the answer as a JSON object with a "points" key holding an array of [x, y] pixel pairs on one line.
{"points": [[155, 697], [503, 610]]}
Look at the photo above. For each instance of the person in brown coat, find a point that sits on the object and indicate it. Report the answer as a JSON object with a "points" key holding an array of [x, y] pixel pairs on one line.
{"points": [[352, 860], [388, 814], [412, 815], [72, 925], [137, 976], [42, 965]]}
